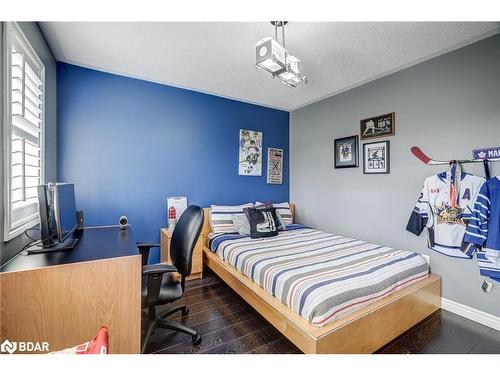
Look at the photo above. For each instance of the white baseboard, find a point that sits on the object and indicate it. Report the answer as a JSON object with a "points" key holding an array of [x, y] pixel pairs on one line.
{"points": [[479, 316]]}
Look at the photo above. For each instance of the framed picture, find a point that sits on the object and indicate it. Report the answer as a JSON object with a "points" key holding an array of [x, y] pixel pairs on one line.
{"points": [[250, 160], [378, 126], [180, 205], [376, 157], [274, 165], [345, 152]]}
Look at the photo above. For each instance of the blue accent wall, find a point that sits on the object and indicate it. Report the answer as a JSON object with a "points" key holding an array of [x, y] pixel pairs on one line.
{"points": [[127, 144]]}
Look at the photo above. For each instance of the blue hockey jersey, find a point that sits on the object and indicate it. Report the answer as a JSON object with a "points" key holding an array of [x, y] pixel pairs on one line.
{"points": [[482, 234]]}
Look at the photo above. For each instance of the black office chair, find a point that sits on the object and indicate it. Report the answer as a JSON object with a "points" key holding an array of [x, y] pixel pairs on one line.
{"points": [[160, 285]]}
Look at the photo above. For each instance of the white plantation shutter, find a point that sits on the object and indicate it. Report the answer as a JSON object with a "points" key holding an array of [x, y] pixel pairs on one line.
{"points": [[24, 131]]}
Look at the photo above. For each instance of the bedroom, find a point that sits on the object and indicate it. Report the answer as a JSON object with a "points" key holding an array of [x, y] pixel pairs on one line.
{"points": [[338, 200]]}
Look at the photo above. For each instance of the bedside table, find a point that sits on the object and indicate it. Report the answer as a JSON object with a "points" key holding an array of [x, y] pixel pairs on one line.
{"points": [[197, 263]]}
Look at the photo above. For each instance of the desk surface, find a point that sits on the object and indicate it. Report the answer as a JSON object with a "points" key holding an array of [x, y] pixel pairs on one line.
{"points": [[94, 244]]}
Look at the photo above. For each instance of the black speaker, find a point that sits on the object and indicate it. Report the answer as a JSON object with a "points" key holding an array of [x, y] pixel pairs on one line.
{"points": [[79, 220]]}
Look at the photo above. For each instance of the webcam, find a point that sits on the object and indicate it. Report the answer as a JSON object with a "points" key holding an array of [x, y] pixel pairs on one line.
{"points": [[123, 222]]}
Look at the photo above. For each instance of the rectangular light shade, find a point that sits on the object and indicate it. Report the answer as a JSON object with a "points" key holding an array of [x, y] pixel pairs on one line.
{"points": [[290, 78], [293, 64], [292, 73], [270, 55]]}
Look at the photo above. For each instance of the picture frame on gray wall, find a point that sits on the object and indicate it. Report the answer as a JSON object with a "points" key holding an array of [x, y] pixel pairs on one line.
{"points": [[346, 152], [376, 157], [378, 126]]}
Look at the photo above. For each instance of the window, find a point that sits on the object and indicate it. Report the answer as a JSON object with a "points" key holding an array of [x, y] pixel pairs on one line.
{"points": [[24, 79]]}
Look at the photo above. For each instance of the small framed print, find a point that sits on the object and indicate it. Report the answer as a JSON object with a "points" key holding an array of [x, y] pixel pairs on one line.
{"points": [[376, 157], [378, 126], [274, 165], [345, 152]]}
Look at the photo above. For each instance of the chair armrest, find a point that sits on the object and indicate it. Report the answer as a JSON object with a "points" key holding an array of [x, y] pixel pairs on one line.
{"points": [[144, 245], [154, 274], [158, 269], [144, 249]]}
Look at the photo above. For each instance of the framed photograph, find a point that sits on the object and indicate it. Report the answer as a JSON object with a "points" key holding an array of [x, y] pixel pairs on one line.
{"points": [[274, 165], [180, 205], [345, 152], [376, 157], [378, 126], [250, 160]]}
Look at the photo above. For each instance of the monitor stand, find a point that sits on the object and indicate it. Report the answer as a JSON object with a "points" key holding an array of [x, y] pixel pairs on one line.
{"points": [[68, 244]]}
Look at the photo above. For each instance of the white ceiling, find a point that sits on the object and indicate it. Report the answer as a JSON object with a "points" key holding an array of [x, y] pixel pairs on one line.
{"points": [[219, 57]]}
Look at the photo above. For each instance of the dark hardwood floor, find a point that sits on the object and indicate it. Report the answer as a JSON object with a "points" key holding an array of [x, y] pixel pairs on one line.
{"points": [[229, 325]]}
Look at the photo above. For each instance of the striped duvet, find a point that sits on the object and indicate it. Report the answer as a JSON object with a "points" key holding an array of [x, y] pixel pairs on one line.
{"points": [[319, 275]]}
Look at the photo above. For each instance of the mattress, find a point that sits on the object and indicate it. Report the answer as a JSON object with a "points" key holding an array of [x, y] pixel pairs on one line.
{"points": [[321, 276]]}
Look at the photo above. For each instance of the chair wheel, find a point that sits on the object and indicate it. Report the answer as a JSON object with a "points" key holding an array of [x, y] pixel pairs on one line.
{"points": [[185, 311], [196, 339]]}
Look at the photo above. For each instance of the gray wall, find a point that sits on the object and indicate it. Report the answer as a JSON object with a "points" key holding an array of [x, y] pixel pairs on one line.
{"points": [[447, 106], [37, 40]]}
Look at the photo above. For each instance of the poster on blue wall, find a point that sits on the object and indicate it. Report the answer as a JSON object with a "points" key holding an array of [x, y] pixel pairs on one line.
{"points": [[274, 165], [250, 161]]}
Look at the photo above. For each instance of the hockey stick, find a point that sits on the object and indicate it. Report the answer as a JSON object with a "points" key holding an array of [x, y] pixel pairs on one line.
{"points": [[427, 160], [420, 155]]}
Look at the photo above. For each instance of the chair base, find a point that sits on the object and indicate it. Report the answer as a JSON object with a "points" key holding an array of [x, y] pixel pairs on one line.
{"points": [[184, 311], [159, 322]]}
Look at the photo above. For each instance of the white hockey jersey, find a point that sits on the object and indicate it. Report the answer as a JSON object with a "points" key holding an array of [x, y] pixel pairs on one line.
{"points": [[446, 224]]}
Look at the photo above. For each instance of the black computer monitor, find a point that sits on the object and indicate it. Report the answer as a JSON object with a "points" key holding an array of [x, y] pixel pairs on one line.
{"points": [[46, 210], [64, 210], [57, 208]]}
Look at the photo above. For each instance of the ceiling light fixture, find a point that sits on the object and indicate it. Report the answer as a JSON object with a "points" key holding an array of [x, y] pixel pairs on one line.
{"points": [[276, 60]]}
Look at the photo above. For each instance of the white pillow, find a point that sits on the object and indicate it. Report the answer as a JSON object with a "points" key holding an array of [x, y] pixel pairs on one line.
{"points": [[241, 224], [221, 220], [283, 209]]}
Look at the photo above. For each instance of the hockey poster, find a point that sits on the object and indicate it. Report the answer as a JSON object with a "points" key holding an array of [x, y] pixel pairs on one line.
{"points": [[376, 157], [274, 166], [250, 160], [378, 126]]}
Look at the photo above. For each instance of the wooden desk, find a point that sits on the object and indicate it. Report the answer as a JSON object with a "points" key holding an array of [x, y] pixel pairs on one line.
{"points": [[64, 297], [197, 266]]}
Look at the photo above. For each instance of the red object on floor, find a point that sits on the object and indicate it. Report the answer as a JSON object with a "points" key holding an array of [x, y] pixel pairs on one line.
{"points": [[98, 345]]}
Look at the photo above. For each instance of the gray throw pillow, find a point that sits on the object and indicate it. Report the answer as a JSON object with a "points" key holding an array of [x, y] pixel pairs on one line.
{"points": [[281, 223], [241, 224]]}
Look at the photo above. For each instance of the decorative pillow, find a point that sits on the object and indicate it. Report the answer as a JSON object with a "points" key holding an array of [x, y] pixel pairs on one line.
{"points": [[263, 222], [221, 220], [279, 219], [241, 223], [284, 211]]}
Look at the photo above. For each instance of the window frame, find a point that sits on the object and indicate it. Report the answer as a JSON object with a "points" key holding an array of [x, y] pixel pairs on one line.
{"points": [[12, 30]]}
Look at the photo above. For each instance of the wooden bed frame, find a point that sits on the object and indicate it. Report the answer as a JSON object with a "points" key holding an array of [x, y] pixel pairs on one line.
{"points": [[363, 331]]}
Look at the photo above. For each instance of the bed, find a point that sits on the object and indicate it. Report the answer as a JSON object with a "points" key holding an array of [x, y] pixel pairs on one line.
{"points": [[348, 297]]}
